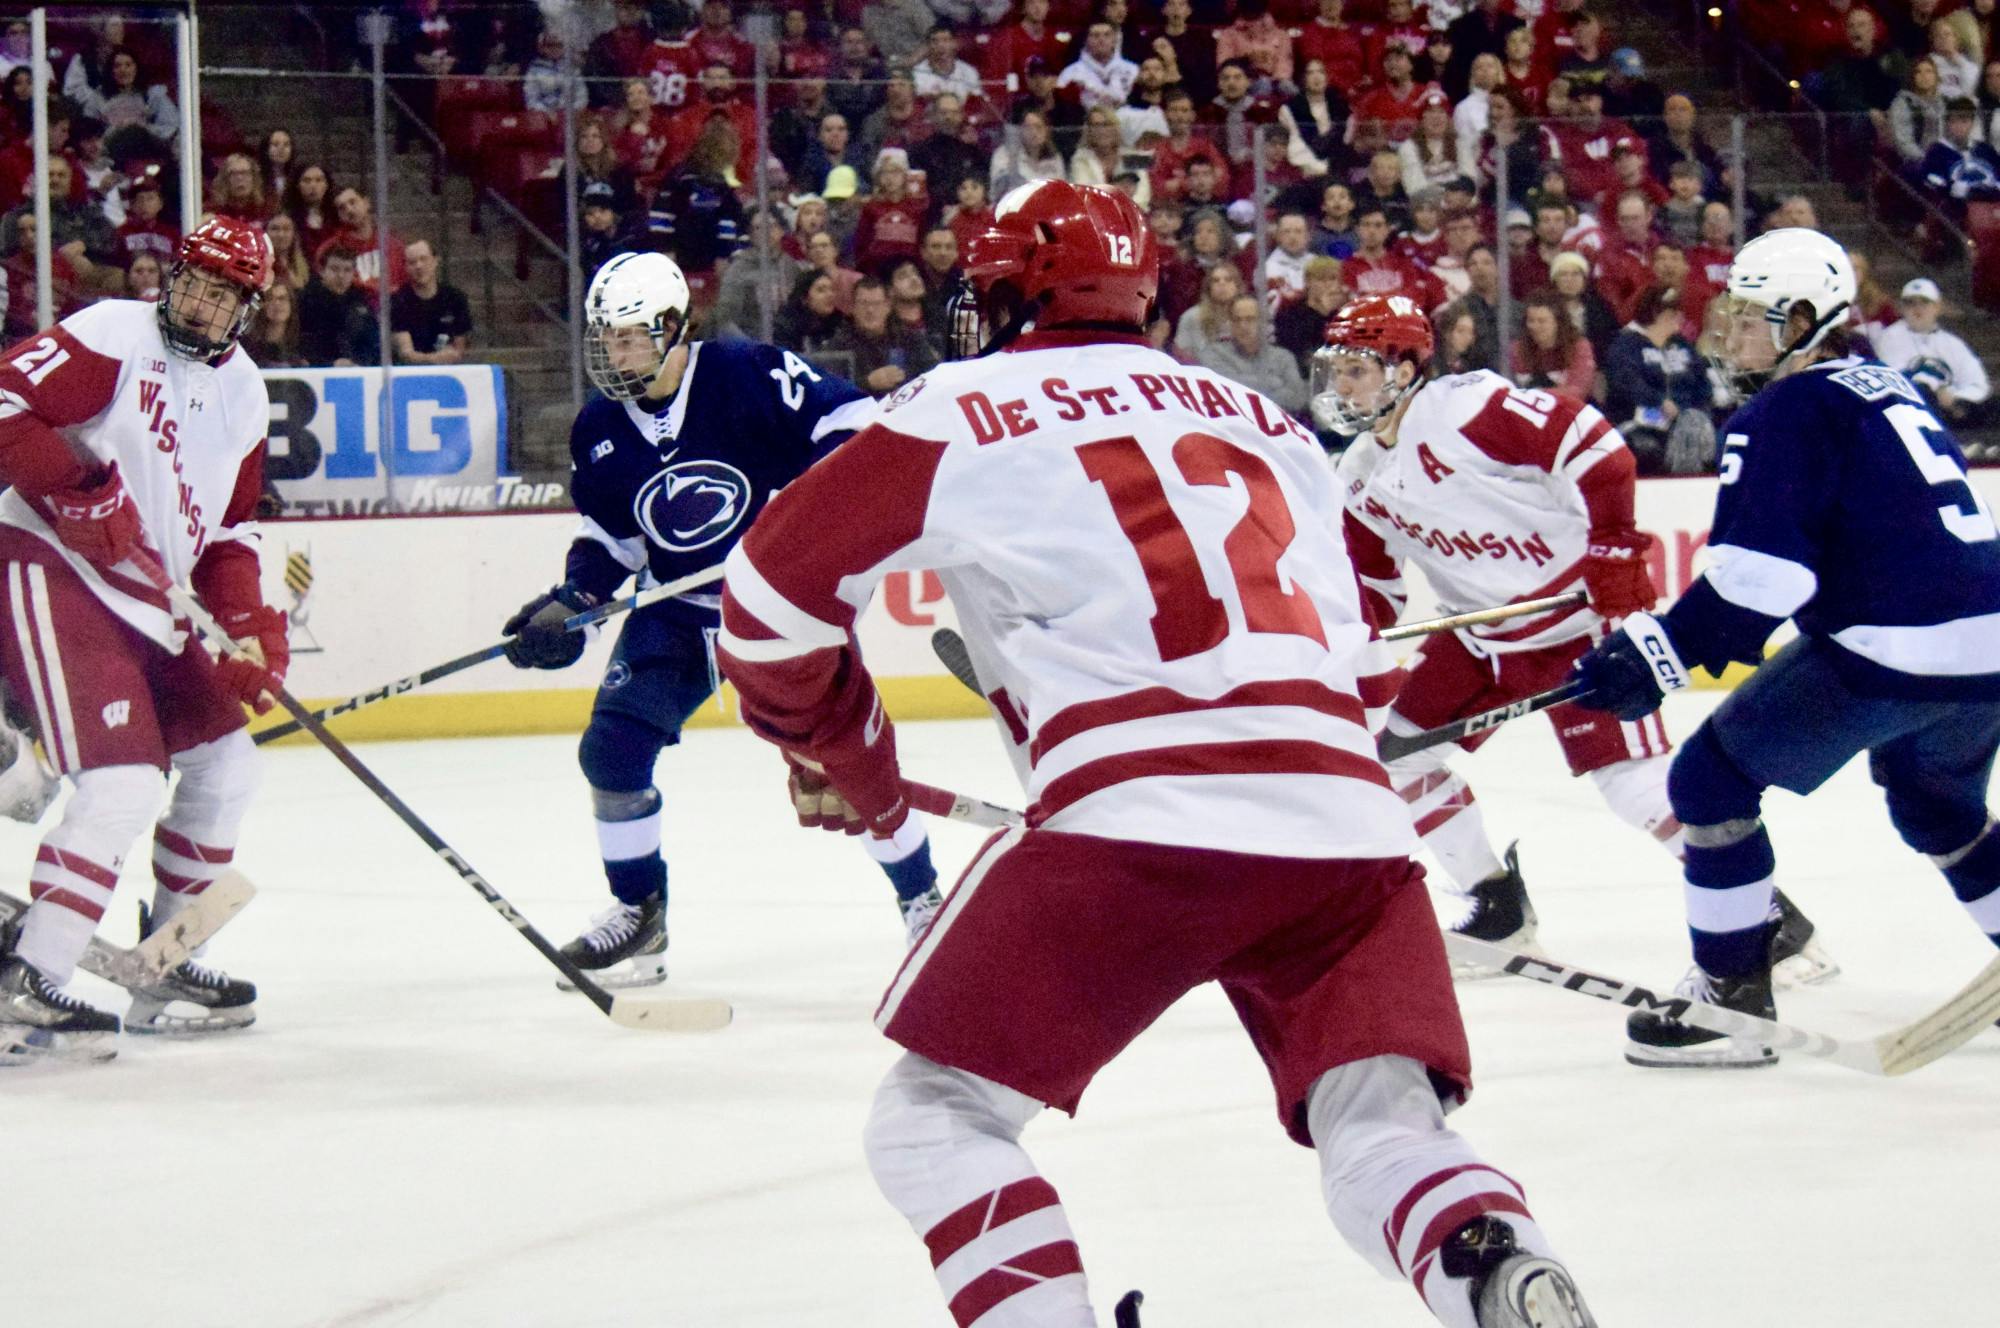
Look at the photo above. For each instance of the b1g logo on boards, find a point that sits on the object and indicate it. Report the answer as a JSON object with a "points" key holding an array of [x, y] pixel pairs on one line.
{"points": [[692, 504]]}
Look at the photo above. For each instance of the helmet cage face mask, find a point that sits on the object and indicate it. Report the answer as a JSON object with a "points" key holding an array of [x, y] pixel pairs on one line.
{"points": [[1351, 414], [185, 313], [664, 333]]}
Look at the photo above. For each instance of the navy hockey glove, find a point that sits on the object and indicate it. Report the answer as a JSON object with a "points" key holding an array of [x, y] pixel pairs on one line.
{"points": [[539, 641], [1630, 672]]}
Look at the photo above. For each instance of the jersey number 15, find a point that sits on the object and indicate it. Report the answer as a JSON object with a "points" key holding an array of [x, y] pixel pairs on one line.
{"points": [[1187, 619]]}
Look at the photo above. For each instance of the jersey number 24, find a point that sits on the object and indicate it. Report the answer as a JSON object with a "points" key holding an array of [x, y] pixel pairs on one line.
{"points": [[1187, 619]]}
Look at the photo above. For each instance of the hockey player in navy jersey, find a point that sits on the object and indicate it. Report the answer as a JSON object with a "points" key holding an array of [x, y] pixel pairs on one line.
{"points": [[1844, 507], [669, 468]]}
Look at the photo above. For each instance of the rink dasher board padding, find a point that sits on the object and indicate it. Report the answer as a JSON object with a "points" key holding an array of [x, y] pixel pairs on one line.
{"points": [[386, 597]]}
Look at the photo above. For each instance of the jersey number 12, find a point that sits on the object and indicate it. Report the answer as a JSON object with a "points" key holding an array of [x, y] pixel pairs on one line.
{"points": [[1187, 620]]}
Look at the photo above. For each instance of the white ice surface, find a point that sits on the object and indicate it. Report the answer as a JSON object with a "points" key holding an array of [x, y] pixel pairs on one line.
{"points": [[421, 1131]]}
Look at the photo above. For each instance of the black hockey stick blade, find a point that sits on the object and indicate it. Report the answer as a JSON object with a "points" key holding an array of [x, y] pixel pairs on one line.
{"points": [[1127, 1313], [1395, 746], [950, 649]]}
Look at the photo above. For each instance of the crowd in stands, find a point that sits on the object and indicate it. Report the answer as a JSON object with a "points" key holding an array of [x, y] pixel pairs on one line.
{"points": [[114, 184], [1360, 146]]}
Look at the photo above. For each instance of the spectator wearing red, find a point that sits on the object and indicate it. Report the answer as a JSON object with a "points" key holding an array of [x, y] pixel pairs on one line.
{"points": [[1387, 113], [718, 99], [357, 234], [971, 214], [1011, 47], [237, 192], [1633, 170], [891, 227], [1423, 242], [618, 52], [1811, 33], [1525, 73], [1711, 256], [17, 163], [1588, 145], [639, 136], [1374, 270], [716, 41], [1460, 236], [1670, 273], [1181, 146], [143, 232], [1625, 263], [1256, 39], [1873, 310], [1193, 48], [1528, 269], [671, 68], [801, 54], [1400, 27], [1337, 44], [1551, 354]]}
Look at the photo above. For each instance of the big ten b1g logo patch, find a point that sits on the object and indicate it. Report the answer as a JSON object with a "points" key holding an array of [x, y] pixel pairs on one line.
{"points": [[692, 504]]}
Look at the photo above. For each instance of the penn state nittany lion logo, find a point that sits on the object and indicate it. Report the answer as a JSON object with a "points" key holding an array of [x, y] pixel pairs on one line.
{"points": [[692, 504]]}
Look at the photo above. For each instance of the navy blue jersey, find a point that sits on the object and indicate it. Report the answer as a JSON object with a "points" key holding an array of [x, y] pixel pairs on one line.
{"points": [[670, 492], [1845, 506]]}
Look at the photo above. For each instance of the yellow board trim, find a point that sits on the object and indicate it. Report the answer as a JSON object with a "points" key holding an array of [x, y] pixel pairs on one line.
{"points": [[496, 714]]}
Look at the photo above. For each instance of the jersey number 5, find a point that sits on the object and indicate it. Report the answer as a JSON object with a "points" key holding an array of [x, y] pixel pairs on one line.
{"points": [[1187, 620], [1918, 428]]}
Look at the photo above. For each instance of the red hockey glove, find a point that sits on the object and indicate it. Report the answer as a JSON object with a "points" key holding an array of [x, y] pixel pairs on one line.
{"points": [[266, 654], [816, 801], [96, 518], [1614, 572]]}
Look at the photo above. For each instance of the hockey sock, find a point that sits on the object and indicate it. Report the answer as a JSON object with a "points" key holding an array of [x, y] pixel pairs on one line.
{"points": [[1452, 827], [1636, 792], [628, 837], [196, 838], [1729, 869], [943, 1146], [905, 858], [76, 868], [1974, 874], [1398, 1183]]}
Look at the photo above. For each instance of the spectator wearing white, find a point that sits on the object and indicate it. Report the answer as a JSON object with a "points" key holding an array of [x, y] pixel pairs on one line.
{"points": [[1472, 116], [1937, 361], [941, 71], [1246, 356], [1101, 155], [548, 75], [1142, 120], [1916, 117], [1285, 267], [1100, 75], [1958, 73], [1433, 154], [1029, 154]]}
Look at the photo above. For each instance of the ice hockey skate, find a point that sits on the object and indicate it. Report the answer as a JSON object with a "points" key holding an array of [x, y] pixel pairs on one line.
{"points": [[1797, 959], [191, 1000], [630, 934], [40, 1021], [1501, 914], [918, 912], [1512, 1289], [1658, 1042]]}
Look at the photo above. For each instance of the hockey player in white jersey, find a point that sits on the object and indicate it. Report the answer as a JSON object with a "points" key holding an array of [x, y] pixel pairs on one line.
{"points": [[1151, 551], [133, 433], [1497, 494]]}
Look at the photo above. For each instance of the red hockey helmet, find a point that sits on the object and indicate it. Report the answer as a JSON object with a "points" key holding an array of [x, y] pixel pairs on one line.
{"points": [[1354, 379], [1058, 255], [197, 319]]}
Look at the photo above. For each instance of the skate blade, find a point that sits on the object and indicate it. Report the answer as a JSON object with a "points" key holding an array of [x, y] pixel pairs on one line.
{"points": [[1720, 1055], [644, 971], [164, 1023], [1809, 967], [38, 1046]]}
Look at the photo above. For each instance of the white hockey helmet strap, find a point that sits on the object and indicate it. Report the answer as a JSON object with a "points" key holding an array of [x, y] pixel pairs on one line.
{"points": [[633, 290]]}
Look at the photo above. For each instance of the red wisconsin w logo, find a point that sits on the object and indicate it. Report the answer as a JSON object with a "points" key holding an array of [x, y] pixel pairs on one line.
{"points": [[1434, 469]]}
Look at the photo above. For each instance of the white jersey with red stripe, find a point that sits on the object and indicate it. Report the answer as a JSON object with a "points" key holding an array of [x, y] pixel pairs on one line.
{"points": [[1143, 557], [1493, 491], [183, 434]]}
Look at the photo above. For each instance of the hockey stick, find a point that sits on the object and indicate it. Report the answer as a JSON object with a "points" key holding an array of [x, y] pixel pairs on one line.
{"points": [[588, 618], [959, 806], [1395, 746], [1474, 617], [168, 947], [657, 1014], [1899, 1051]]}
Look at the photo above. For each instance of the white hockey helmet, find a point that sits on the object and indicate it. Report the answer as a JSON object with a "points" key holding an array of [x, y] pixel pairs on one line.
{"points": [[1775, 272], [632, 291]]}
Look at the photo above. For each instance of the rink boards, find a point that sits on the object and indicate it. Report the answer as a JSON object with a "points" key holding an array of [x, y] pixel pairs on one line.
{"points": [[376, 599]]}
